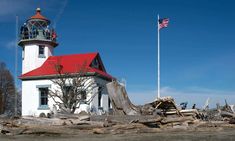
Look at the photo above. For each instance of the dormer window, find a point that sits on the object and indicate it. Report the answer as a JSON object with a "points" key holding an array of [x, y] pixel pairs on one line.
{"points": [[41, 51], [95, 64]]}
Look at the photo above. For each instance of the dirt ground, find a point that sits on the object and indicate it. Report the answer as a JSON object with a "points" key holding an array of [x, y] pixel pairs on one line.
{"points": [[215, 135]]}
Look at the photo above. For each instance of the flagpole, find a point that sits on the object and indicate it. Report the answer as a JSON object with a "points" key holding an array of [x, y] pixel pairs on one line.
{"points": [[158, 58], [16, 66]]}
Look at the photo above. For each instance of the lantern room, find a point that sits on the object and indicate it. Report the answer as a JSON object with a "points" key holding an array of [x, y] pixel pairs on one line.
{"points": [[37, 28]]}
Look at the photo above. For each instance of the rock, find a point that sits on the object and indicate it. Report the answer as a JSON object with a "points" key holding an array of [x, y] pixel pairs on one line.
{"points": [[99, 131], [84, 117], [232, 121], [64, 123], [49, 115], [15, 117], [3, 130], [180, 127], [106, 123], [82, 113], [6, 132], [42, 115]]}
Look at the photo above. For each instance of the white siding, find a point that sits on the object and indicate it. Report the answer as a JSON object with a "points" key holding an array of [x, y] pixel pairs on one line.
{"points": [[31, 60], [30, 98]]}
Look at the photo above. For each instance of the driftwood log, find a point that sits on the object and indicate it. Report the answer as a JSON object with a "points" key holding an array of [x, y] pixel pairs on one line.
{"points": [[177, 119], [120, 101], [125, 119], [227, 114]]}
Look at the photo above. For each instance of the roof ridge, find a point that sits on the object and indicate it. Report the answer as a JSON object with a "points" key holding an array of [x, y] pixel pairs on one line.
{"points": [[95, 53]]}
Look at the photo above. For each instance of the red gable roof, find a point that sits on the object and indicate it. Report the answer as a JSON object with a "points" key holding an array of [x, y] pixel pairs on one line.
{"points": [[69, 64]]}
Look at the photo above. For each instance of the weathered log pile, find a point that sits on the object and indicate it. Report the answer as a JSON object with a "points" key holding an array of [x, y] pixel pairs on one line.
{"points": [[97, 124], [222, 113], [160, 113], [164, 106], [105, 124], [226, 112]]}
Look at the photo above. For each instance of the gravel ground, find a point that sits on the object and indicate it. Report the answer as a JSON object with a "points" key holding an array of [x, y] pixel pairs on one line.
{"points": [[225, 135]]}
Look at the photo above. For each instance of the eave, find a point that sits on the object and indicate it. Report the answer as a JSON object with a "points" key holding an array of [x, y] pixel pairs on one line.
{"points": [[54, 76]]}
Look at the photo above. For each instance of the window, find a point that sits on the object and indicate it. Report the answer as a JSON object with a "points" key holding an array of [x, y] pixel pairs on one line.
{"points": [[43, 98], [41, 51], [109, 103], [99, 99], [68, 89], [23, 53], [83, 95]]}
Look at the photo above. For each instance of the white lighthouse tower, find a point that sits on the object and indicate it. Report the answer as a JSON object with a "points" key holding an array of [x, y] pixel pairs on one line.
{"points": [[37, 41]]}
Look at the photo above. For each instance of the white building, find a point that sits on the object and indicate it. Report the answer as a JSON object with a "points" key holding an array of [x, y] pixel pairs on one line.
{"points": [[38, 69]]}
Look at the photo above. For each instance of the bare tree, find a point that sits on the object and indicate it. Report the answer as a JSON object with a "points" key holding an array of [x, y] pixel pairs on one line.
{"points": [[7, 90], [71, 89], [1, 102]]}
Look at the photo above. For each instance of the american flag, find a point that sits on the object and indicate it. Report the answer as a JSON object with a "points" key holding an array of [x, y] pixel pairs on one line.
{"points": [[162, 23]]}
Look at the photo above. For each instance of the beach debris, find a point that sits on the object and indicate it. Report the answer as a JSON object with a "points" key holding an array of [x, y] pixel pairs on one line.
{"points": [[163, 106]]}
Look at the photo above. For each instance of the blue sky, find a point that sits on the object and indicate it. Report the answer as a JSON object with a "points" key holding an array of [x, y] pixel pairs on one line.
{"points": [[197, 49]]}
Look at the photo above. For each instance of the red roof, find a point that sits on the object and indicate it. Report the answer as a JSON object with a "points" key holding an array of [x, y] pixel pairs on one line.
{"points": [[38, 15], [68, 64]]}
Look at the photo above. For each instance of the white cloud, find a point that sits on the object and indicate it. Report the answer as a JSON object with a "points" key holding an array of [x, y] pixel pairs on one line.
{"points": [[60, 13], [10, 8], [11, 44], [142, 97], [192, 95], [199, 95]]}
